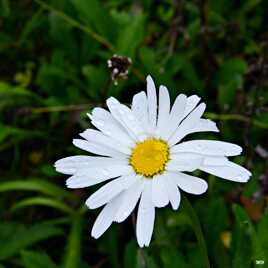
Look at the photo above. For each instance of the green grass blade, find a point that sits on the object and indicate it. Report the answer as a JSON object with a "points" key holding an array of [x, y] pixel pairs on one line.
{"points": [[42, 186], [43, 201], [73, 249]]}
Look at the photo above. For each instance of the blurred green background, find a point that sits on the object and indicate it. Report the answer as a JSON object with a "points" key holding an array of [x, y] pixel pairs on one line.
{"points": [[54, 69]]}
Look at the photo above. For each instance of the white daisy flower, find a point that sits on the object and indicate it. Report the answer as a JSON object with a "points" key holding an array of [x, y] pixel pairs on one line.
{"points": [[143, 155]]}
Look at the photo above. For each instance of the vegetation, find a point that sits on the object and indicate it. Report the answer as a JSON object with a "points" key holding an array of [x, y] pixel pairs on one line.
{"points": [[54, 70]]}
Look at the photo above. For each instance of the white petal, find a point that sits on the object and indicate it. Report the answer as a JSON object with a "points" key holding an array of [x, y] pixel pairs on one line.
{"points": [[84, 161], [230, 171], [105, 218], [159, 191], [215, 161], [113, 104], [132, 123], [73, 164], [208, 147], [109, 191], [184, 162], [189, 184], [146, 216], [97, 148], [181, 159], [175, 117], [104, 121], [116, 111], [164, 108], [185, 156], [152, 102], [140, 109], [204, 125], [98, 137], [129, 201], [91, 176], [173, 192], [187, 124], [74, 161], [192, 101], [127, 118]]}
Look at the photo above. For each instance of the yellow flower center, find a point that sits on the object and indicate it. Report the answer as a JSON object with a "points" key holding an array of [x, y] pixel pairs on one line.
{"points": [[149, 157]]}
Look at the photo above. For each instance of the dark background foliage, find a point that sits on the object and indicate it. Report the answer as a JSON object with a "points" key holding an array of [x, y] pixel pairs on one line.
{"points": [[54, 69]]}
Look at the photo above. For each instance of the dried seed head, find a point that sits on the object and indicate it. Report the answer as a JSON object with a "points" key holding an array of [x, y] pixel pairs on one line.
{"points": [[119, 67]]}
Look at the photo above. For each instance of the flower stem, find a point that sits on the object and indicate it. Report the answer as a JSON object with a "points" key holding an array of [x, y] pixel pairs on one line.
{"points": [[237, 117], [198, 231]]}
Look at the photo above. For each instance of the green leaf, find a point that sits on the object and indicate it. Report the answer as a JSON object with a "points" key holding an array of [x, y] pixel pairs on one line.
{"points": [[31, 26], [248, 247], [8, 90], [33, 259], [7, 132], [248, 5], [230, 69], [195, 223], [66, 40], [97, 78], [4, 8], [262, 118], [229, 79], [241, 240], [10, 135], [148, 59], [16, 96], [220, 6], [43, 201], [193, 257], [172, 258], [190, 73], [16, 237], [111, 246], [130, 254], [73, 249], [214, 218], [94, 14], [131, 37], [42, 186], [144, 260], [262, 234]]}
